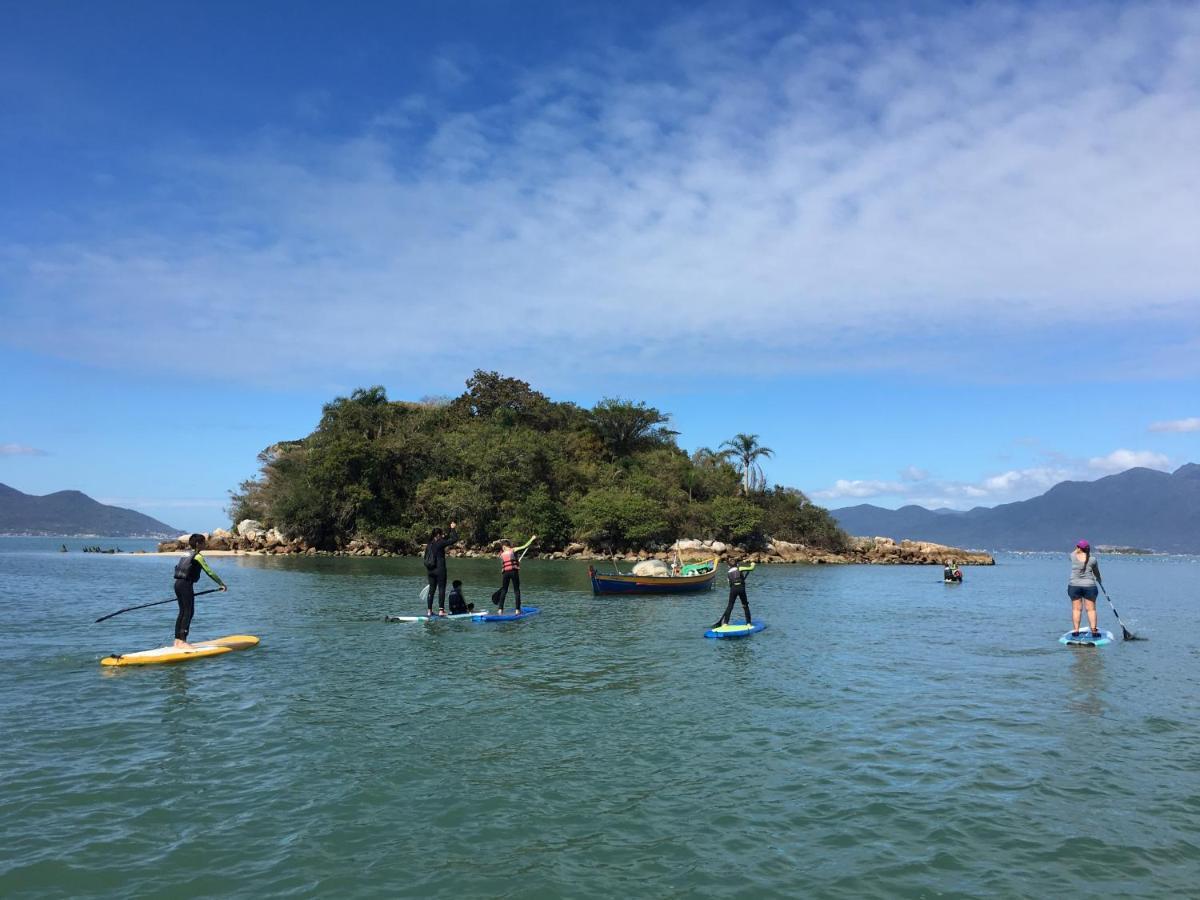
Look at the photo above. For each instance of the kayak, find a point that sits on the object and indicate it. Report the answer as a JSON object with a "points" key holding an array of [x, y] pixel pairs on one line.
{"points": [[198, 650]]}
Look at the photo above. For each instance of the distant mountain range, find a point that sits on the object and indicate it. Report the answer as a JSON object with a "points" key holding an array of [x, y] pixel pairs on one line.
{"points": [[72, 513], [1137, 508]]}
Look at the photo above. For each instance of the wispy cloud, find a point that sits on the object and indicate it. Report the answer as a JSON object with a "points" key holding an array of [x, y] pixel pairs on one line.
{"points": [[20, 450], [999, 487], [1120, 460], [832, 185], [1177, 425], [1013, 484]]}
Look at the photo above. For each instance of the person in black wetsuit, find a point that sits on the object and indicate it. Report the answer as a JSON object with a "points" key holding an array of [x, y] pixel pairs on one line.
{"points": [[435, 566], [458, 603], [737, 591], [187, 573]]}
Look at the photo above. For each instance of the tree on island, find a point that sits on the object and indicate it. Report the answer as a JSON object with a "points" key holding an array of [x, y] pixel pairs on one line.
{"points": [[503, 459], [746, 450]]}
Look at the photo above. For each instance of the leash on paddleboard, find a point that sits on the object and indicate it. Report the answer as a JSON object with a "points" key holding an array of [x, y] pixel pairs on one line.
{"points": [[1125, 632], [155, 603]]}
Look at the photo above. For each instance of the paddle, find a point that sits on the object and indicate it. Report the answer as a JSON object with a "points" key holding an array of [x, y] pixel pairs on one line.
{"points": [[1125, 632], [155, 603]]}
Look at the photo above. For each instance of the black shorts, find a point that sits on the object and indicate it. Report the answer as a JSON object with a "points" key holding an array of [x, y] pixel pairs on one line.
{"points": [[1082, 593]]}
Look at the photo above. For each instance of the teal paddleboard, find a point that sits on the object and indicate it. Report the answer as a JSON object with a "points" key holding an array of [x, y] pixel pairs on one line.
{"points": [[1086, 639]]}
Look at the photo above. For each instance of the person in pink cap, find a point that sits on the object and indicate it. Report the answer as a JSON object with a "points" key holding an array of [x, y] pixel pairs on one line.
{"points": [[1083, 587]]}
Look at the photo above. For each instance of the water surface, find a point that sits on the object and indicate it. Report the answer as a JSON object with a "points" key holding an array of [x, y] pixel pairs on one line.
{"points": [[886, 736]]}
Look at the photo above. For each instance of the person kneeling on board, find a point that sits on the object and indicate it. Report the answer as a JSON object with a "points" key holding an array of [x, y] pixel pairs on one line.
{"points": [[458, 604], [187, 573], [737, 591], [510, 565]]}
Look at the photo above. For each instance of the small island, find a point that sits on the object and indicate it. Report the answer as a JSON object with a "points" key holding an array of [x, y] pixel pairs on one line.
{"points": [[503, 460]]}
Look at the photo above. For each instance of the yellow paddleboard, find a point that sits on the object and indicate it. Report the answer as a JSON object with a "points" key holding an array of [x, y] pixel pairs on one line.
{"points": [[173, 654]]}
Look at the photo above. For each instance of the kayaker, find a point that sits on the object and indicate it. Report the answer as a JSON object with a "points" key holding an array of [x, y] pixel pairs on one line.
{"points": [[737, 591], [187, 573], [435, 566], [1083, 587], [510, 566]]}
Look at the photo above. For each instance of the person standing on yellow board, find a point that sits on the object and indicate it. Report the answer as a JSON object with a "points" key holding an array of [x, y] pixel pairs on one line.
{"points": [[187, 573], [510, 565]]}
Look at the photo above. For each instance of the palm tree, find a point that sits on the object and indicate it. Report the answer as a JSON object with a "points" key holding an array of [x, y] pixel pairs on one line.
{"points": [[745, 450]]}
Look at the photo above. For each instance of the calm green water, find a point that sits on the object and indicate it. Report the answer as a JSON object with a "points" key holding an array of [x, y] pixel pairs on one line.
{"points": [[886, 736]]}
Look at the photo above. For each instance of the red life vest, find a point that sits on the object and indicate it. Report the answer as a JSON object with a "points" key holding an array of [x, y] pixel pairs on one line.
{"points": [[509, 561]]}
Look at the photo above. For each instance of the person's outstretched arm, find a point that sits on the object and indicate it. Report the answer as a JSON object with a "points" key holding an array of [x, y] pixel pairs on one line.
{"points": [[209, 572]]}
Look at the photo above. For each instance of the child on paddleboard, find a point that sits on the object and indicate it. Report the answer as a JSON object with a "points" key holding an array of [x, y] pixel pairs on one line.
{"points": [[458, 604], [187, 573], [737, 591], [510, 565]]}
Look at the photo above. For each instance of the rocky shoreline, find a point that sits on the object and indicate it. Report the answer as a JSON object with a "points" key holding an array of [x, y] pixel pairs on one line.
{"points": [[252, 538]]}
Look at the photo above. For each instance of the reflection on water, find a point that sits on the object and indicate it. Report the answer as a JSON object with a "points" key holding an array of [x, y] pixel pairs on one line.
{"points": [[1087, 681]]}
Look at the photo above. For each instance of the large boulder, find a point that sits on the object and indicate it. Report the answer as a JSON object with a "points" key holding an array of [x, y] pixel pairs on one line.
{"points": [[688, 544], [251, 529], [652, 567]]}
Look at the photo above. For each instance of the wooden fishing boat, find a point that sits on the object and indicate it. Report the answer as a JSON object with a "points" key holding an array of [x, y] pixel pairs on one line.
{"points": [[694, 577]]}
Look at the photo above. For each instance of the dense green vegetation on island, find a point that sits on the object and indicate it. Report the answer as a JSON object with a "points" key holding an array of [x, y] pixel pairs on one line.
{"points": [[504, 460]]}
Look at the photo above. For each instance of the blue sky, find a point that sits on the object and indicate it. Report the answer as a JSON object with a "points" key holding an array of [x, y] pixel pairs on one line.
{"points": [[938, 253]]}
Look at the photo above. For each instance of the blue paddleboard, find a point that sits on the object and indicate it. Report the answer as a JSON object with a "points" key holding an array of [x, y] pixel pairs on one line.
{"points": [[526, 612], [745, 629], [1085, 639]]}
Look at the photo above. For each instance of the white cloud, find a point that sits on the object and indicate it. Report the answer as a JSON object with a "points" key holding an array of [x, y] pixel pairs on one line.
{"points": [[20, 450], [1177, 425], [913, 473], [1001, 487], [1120, 460], [857, 488], [833, 185]]}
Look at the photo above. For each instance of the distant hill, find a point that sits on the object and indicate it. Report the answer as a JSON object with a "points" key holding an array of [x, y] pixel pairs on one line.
{"points": [[72, 513], [1136, 508]]}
